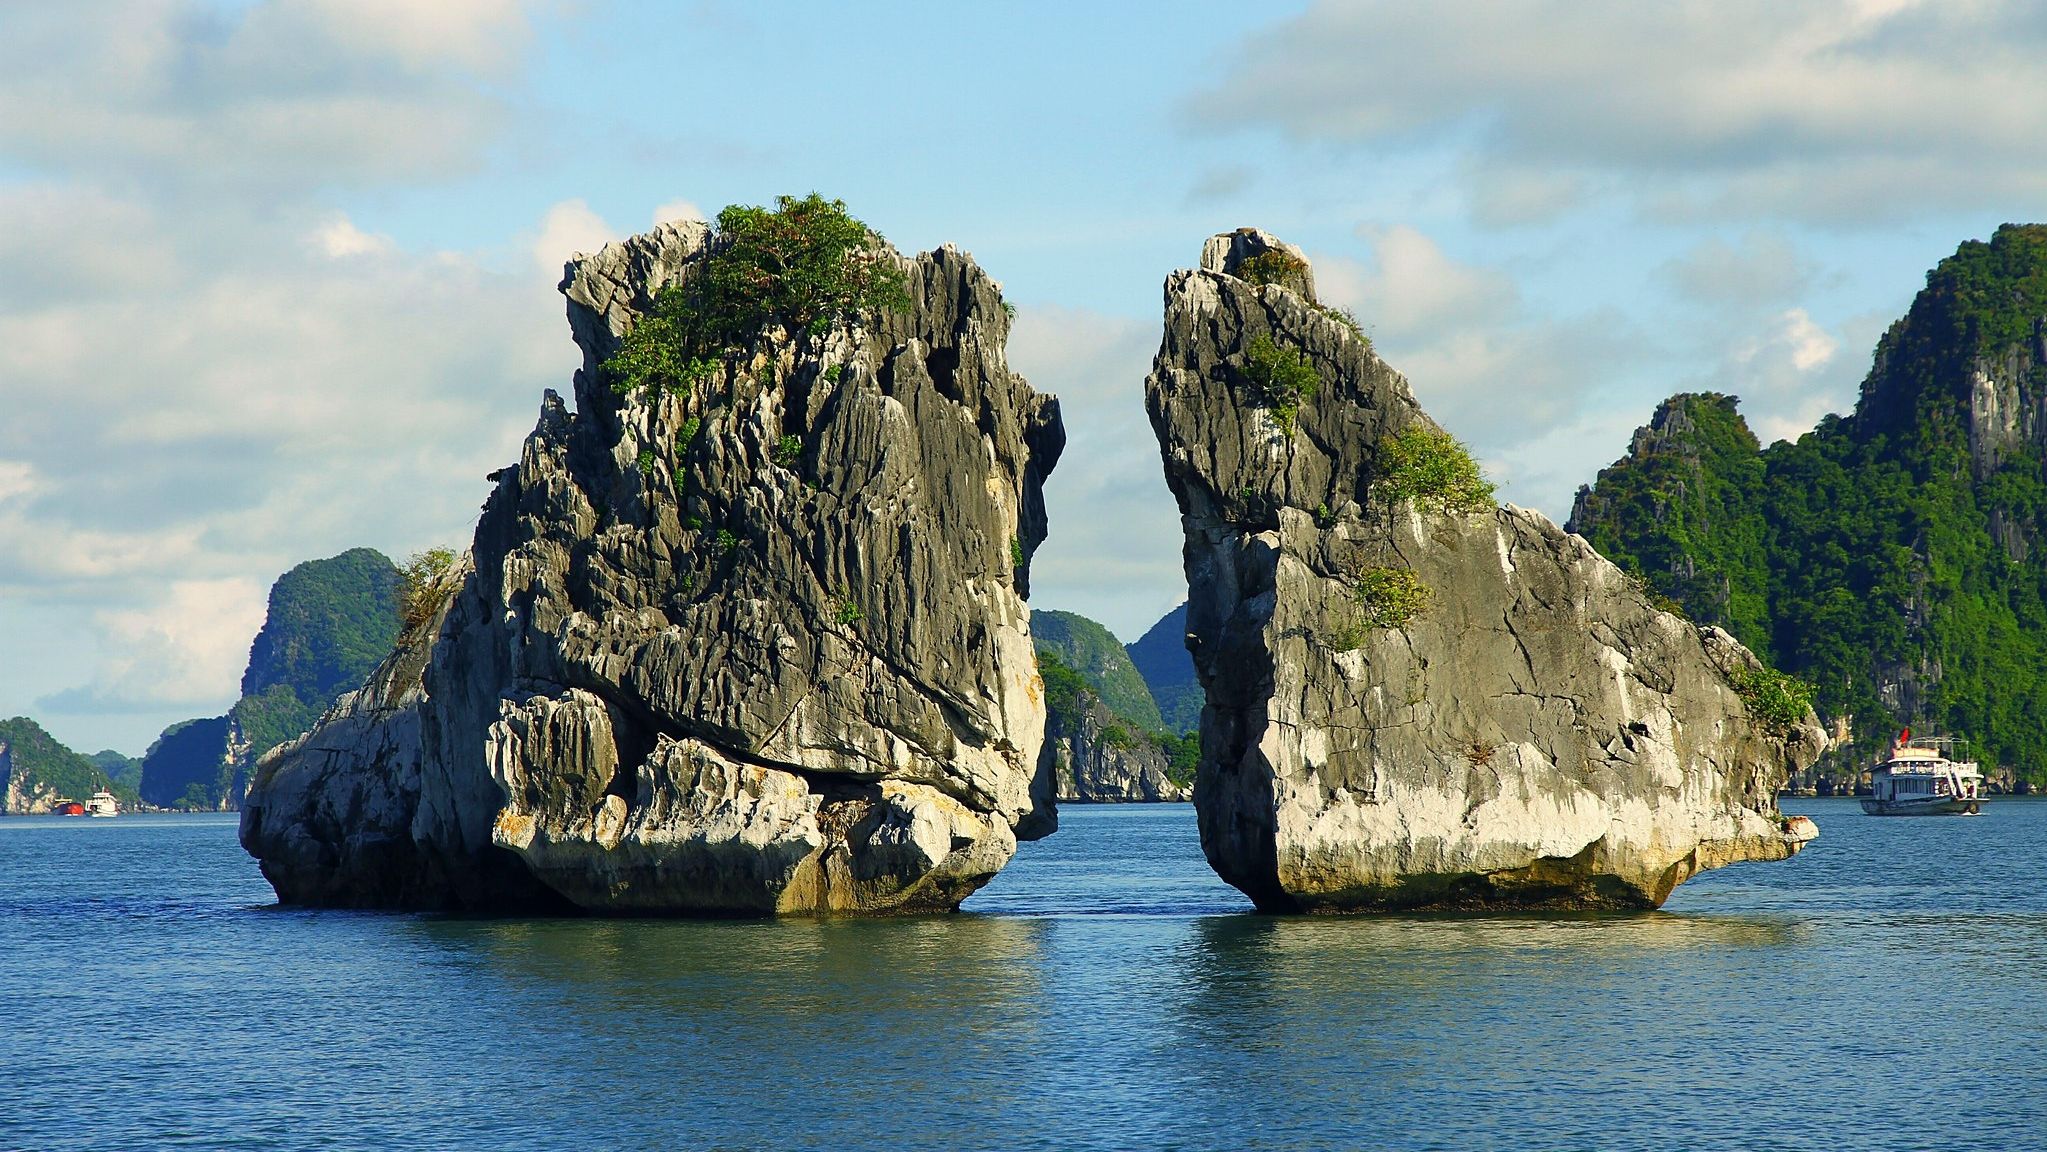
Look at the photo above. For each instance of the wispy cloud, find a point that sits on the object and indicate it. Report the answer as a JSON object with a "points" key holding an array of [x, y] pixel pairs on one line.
{"points": [[1829, 111]]}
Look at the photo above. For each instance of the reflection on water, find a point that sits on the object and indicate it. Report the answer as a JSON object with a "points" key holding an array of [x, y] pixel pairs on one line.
{"points": [[1105, 992]]}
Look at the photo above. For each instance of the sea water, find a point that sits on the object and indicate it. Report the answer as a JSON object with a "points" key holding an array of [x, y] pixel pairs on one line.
{"points": [[1882, 990]]}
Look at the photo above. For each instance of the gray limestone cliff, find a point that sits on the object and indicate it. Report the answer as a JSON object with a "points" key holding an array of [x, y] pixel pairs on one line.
{"points": [[762, 647], [1414, 702]]}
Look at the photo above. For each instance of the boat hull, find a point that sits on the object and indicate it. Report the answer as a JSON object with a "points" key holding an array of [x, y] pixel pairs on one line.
{"points": [[1929, 806]]}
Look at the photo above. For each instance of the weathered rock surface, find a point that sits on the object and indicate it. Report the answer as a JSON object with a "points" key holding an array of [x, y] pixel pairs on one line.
{"points": [[1539, 735], [763, 648], [1099, 758]]}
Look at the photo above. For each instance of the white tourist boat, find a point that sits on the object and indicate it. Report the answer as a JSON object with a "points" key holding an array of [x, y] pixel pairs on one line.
{"points": [[103, 803], [1920, 780]]}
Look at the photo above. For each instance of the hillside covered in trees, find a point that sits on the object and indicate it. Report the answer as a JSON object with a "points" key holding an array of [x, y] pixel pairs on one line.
{"points": [[1895, 557], [35, 769], [329, 622]]}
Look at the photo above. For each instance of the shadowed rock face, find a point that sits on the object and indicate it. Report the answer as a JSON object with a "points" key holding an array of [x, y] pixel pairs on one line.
{"points": [[1539, 735], [759, 649]]}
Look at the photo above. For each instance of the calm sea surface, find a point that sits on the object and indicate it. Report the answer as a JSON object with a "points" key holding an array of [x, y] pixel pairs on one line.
{"points": [[1887, 989]]}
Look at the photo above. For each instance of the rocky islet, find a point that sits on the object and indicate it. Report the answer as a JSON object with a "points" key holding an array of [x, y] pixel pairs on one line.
{"points": [[756, 647], [1416, 698], [764, 648]]}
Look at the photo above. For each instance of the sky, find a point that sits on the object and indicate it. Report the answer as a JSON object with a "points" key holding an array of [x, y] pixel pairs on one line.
{"points": [[278, 279]]}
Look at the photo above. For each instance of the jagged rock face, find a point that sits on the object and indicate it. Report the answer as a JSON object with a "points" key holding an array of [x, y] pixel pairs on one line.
{"points": [[762, 648], [1538, 735], [1098, 759]]}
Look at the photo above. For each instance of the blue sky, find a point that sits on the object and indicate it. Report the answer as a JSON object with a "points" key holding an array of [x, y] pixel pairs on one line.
{"points": [[277, 279]]}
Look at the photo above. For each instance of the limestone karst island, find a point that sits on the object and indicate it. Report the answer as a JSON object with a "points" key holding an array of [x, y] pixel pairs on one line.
{"points": [[1347, 575]]}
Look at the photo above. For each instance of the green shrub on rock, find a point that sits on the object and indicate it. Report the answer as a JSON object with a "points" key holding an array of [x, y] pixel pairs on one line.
{"points": [[1280, 379], [1778, 701], [428, 579], [1434, 470], [1272, 266], [797, 267], [1389, 597]]}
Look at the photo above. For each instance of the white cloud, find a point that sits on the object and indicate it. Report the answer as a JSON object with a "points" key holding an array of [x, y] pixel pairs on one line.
{"points": [[185, 651], [245, 99], [1760, 269], [1412, 288], [1114, 550], [288, 396], [1789, 371], [62, 242], [484, 36], [1818, 111], [1480, 360], [568, 229], [208, 370], [17, 479], [339, 239], [678, 210]]}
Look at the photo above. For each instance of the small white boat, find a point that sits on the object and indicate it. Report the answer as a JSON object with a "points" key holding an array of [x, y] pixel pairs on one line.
{"points": [[1920, 780], [103, 803]]}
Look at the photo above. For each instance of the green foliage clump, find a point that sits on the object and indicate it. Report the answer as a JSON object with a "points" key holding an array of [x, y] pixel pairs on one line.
{"points": [[1016, 552], [426, 580], [1272, 266], [844, 611], [1434, 470], [1117, 736], [1183, 756], [798, 267], [1280, 379], [788, 450], [833, 373], [1389, 597], [1065, 689], [725, 541], [1780, 702]]}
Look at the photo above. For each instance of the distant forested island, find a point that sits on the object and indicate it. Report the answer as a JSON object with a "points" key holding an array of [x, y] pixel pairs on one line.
{"points": [[1895, 557]]}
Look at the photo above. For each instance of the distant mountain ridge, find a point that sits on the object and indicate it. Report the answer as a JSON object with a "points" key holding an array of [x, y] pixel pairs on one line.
{"points": [[1104, 739], [1092, 650], [1892, 556], [1160, 656], [329, 623]]}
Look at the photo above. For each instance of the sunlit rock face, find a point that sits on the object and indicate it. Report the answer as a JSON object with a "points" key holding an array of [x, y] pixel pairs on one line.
{"points": [[1535, 734], [763, 648]]}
